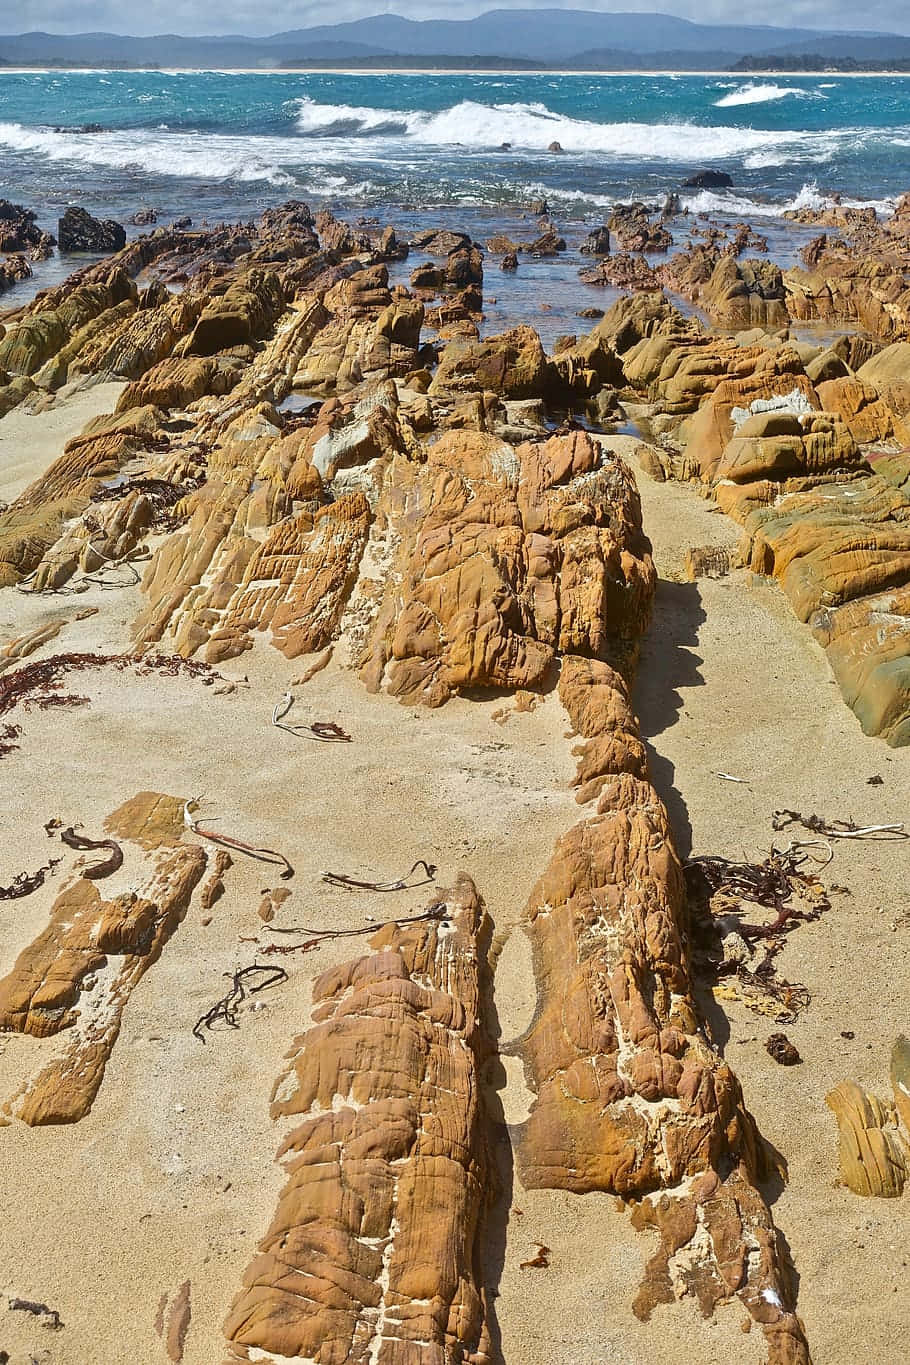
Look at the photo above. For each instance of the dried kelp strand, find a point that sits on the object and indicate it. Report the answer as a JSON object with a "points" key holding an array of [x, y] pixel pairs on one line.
{"points": [[245, 981], [24, 883], [402, 884], [97, 870]]}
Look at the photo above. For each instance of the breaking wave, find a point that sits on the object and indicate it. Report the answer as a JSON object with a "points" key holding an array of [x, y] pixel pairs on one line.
{"points": [[810, 196], [199, 156], [534, 127], [761, 94]]}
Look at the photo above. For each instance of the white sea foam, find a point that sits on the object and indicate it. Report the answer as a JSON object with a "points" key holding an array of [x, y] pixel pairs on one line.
{"points": [[761, 94], [533, 127], [192, 155], [361, 145], [731, 205]]}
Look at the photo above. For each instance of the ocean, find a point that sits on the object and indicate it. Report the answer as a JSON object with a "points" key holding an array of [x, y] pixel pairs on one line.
{"points": [[462, 149], [216, 143]]}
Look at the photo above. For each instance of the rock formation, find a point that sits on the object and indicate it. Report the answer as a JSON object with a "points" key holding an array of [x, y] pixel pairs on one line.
{"points": [[373, 1252], [630, 1098], [79, 231], [506, 558], [76, 977], [874, 1137]]}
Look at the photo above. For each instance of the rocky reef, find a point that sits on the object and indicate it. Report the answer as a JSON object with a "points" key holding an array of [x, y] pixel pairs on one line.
{"points": [[306, 463]]}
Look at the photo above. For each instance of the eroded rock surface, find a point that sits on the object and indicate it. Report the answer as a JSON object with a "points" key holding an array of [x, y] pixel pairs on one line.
{"points": [[373, 1253], [507, 557], [76, 977], [809, 456], [874, 1135], [630, 1097]]}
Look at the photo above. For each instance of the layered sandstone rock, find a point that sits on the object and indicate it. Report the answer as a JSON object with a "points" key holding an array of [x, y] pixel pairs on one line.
{"points": [[507, 557], [874, 1136], [743, 294], [867, 643], [373, 1254], [858, 276], [76, 977], [512, 365], [276, 533], [630, 1098], [31, 526]]}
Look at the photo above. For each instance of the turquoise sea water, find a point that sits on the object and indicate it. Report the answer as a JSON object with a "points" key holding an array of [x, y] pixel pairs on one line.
{"points": [[226, 145]]}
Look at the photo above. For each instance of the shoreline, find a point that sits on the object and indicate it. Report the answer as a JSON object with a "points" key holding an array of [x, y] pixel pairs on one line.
{"points": [[425, 71], [290, 502]]}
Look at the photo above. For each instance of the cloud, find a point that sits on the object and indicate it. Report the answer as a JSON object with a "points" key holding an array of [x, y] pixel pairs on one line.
{"points": [[251, 17]]}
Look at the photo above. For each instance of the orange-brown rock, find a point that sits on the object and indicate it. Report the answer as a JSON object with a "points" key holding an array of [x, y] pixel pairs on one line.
{"points": [[776, 380], [847, 287], [862, 408], [242, 497], [348, 432], [874, 1156], [76, 977], [55, 316], [736, 294], [867, 643], [828, 541], [630, 1097], [634, 317], [507, 557], [176, 383], [874, 1136], [512, 365], [213, 889], [32, 523], [245, 312], [295, 585], [368, 335], [776, 445], [265, 547], [719, 1242], [145, 337], [373, 1252], [152, 821]]}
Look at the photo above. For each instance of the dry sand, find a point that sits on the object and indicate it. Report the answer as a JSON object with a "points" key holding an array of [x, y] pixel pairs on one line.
{"points": [[29, 441], [171, 1176]]}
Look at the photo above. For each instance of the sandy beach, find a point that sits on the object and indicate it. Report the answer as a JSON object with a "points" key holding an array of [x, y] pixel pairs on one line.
{"points": [[297, 550], [171, 1176]]}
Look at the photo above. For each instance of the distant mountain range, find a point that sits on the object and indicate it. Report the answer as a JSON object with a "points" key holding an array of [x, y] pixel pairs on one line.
{"points": [[534, 37]]}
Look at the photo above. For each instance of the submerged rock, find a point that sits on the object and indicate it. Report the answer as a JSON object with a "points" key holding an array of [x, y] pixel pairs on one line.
{"points": [[708, 180], [78, 231]]}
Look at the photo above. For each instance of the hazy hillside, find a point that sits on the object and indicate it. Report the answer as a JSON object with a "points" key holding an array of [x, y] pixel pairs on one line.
{"points": [[544, 36]]}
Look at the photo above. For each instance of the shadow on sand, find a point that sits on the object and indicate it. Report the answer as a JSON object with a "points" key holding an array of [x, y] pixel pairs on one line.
{"points": [[666, 665]]}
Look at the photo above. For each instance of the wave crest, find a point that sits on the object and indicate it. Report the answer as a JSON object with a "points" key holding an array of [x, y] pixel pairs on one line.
{"points": [[533, 127], [761, 94]]}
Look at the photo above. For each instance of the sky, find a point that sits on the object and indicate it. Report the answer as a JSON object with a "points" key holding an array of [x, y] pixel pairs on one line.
{"points": [[252, 17]]}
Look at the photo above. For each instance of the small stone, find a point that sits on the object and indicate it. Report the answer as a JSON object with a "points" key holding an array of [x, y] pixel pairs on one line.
{"points": [[736, 949], [782, 1050]]}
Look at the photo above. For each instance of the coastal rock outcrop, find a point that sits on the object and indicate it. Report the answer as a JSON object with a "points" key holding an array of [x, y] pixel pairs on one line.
{"points": [[19, 233], [77, 976], [874, 1136], [507, 557], [630, 1098], [78, 231], [374, 1249]]}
